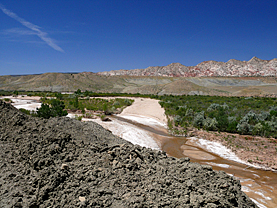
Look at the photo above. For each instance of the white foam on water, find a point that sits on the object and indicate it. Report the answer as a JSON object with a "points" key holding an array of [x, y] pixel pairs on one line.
{"points": [[144, 120], [247, 189], [256, 175], [129, 132], [217, 148], [258, 203], [246, 179], [262, 195], [222, 151], [219, 165]]}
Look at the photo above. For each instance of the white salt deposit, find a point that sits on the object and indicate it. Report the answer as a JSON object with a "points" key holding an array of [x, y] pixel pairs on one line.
{"points": [[25, 104]]}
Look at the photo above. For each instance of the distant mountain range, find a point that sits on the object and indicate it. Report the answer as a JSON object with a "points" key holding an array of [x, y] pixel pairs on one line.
{"points": [[233, 68], [233, 78]]}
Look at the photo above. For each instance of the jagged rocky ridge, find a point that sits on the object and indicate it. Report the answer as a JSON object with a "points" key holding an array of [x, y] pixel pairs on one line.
{"points": [[63, 162], [254, 67]]}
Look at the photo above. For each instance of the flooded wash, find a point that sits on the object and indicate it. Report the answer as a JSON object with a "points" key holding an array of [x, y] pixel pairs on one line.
{"points": [[258, 184]]}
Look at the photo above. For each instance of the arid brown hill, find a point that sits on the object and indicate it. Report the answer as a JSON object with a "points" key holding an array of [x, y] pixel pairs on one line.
{"points": [[62, 82]]}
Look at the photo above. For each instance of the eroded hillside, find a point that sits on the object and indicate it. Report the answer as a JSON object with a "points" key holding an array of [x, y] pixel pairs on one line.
{"points": [[62, 82]]}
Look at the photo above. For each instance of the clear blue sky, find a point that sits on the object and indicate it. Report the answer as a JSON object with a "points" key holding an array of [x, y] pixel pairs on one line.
{"points": [[102, 35]]}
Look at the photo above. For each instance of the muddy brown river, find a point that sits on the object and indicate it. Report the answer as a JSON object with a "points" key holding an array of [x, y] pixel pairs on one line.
{"points": [[259, 185]]}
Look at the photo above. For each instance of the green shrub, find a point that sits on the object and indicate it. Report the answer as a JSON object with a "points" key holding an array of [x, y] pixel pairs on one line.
{"points": [[127, 102], [189, 112], [8, 100], [198, 120], [210, 124], [263, 116], [233, 114], [273, 113], [231, 119], [257, 129], [243, 127], [232, 127], [177, 120], [44, 111], [116, 103], [79, 118], [25, 111]]}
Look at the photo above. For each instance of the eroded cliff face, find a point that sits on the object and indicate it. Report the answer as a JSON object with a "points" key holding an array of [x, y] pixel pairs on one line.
{"points": [[253, 67], [62, 162]]}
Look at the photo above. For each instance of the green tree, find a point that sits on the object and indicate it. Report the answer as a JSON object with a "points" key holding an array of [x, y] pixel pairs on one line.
{"points": [[106, 109], [44, 111], [76, 102], [222, 119], [15, 93], [56, 108], [86, 93], [59, 96], [78, 92]]}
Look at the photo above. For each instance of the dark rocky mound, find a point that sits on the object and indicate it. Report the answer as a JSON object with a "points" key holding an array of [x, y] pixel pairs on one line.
{"points": [[62, 162]]}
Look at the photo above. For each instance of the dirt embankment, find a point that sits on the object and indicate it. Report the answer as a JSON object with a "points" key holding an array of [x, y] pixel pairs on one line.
{"points": [[62, 162]]}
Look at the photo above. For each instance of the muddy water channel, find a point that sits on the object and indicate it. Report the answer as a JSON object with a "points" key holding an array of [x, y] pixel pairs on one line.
{"points": [[259, 185]]}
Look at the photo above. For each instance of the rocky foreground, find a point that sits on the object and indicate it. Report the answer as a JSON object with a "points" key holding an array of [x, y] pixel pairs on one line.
{"points": [[62, 162]]}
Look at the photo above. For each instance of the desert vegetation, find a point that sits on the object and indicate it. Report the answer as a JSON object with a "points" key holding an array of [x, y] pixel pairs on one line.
{"points": [[57, 104], [81, 94], [243, 115]]}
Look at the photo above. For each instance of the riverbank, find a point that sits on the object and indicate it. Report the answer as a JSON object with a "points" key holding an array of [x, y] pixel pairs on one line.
{"points": [[259, 151], [257, 183]]}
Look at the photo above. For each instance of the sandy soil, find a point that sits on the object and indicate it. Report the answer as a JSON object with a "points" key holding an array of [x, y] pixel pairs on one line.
{"points": [[146, 107], [143, 107]]}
